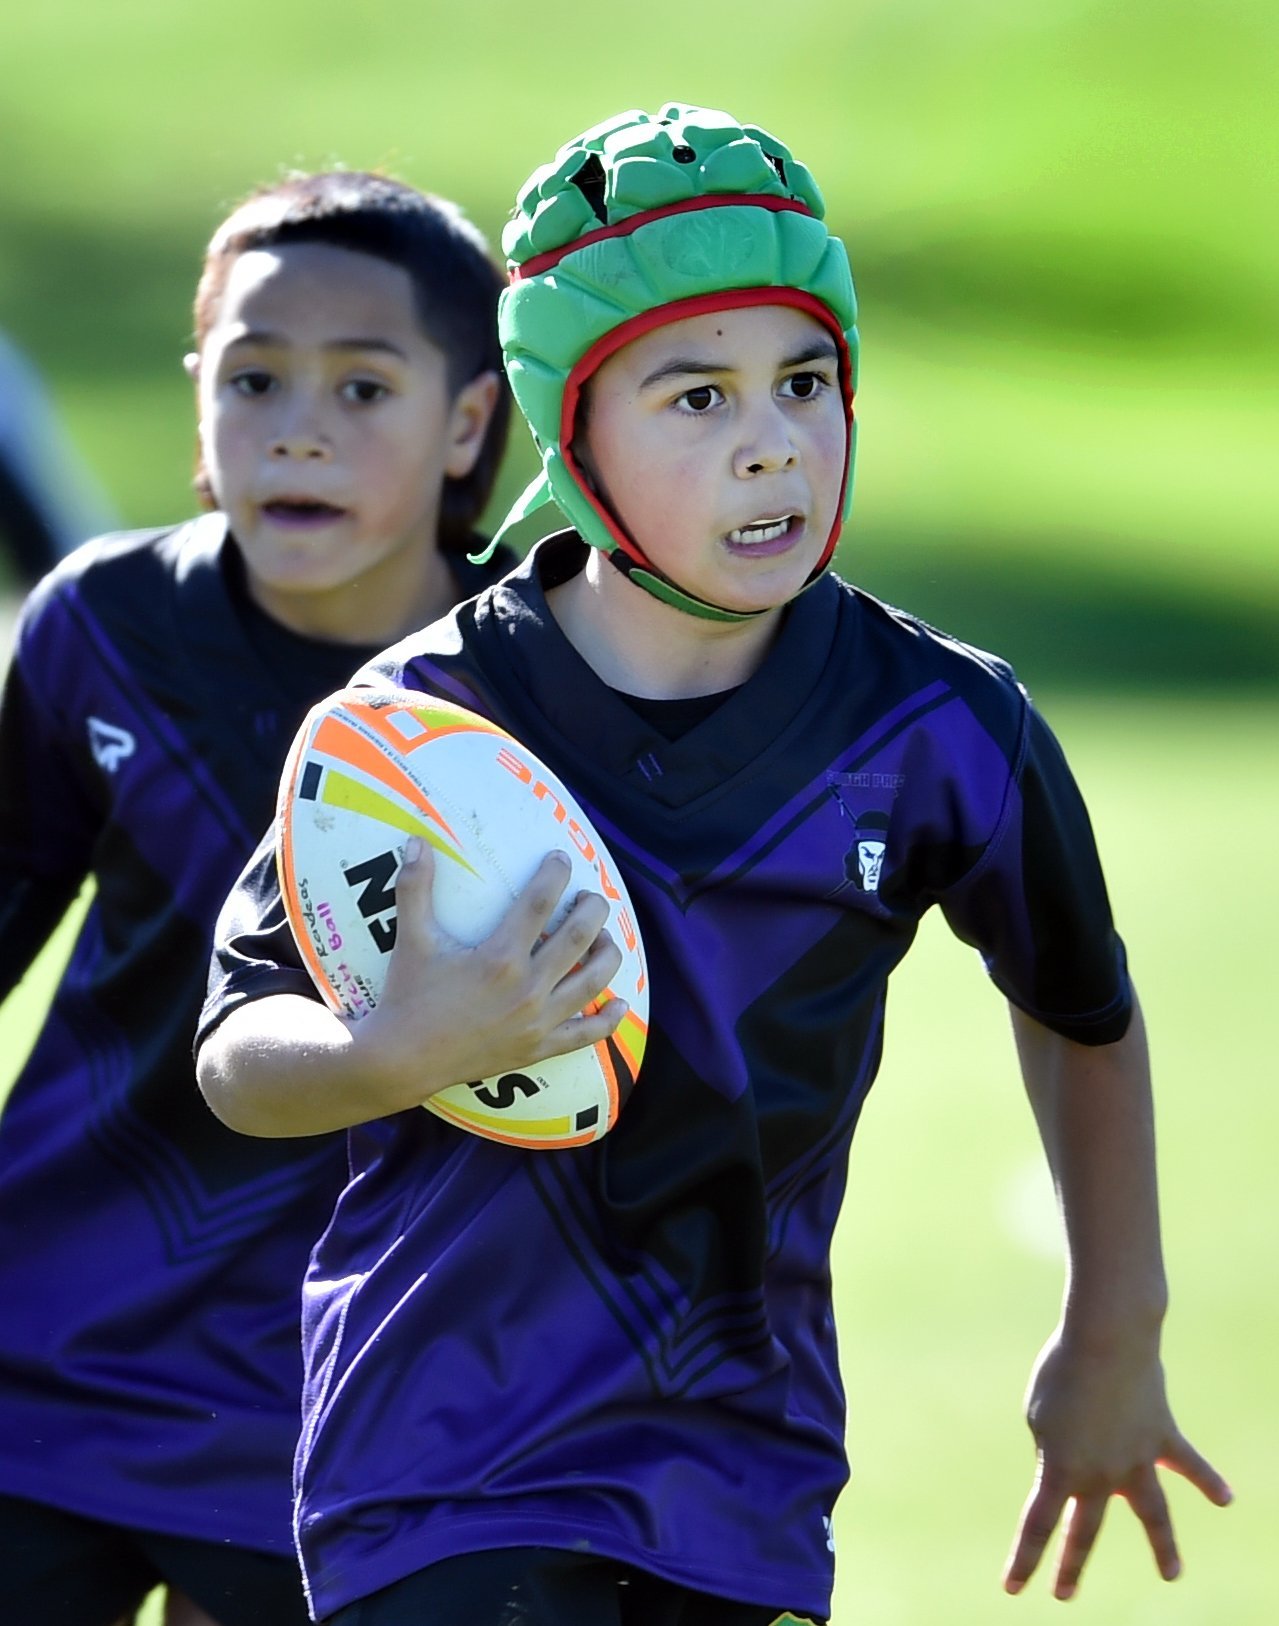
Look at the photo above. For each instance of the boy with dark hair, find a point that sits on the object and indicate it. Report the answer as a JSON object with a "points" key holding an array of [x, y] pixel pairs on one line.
{"points": [[601, 1386], [352, 416]]}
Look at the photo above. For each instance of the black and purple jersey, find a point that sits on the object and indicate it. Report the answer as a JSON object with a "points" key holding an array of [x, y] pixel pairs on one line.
{"points": [[150, 1259], [629, 1348]]}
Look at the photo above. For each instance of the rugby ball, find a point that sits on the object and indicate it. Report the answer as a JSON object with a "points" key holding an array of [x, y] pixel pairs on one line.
{"points": [[369, 769]]}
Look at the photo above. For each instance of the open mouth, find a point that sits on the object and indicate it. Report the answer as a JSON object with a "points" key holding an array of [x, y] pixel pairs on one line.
{"points": [[301, 511], [760, 532]]}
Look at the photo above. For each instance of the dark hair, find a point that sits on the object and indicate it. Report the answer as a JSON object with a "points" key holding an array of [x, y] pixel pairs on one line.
{"points": [[455, 290]]}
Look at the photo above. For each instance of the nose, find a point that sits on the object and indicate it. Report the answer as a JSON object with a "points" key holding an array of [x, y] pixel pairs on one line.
{"points": [[767, 445], [302, 444], [299, 434]]}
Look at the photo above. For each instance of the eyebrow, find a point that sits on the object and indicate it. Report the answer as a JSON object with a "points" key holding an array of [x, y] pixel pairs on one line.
{"points": [[265, 338], [682, 366]]}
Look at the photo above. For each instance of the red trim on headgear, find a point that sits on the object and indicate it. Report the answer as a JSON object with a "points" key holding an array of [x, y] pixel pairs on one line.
{"points": [[677, 311], [552, 257]]}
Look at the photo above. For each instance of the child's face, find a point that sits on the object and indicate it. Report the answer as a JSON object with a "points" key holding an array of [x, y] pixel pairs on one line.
{"points": [[719, 443], [328, 429]]}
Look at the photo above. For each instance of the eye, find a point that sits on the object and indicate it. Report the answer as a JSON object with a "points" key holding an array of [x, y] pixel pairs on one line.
{"points": [[804, 386], [364, 391], [701, 398], [252, 381]]}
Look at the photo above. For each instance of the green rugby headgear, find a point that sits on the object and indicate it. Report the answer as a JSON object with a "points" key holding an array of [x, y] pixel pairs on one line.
{"points": [[642, 221]]}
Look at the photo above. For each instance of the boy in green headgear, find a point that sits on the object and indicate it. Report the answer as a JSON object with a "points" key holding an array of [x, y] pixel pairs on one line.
{"points": [[601, 1386]]}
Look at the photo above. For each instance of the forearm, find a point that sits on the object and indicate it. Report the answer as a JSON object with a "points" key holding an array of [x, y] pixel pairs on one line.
{"points": [[1097, 1405], [287, 1065], [1095, 1115]]}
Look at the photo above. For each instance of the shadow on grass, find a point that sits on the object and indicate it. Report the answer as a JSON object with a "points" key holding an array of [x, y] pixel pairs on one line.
{"points": [[1076, 627]]}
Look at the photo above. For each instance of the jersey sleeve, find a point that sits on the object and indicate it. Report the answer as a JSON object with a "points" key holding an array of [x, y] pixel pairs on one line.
{"points": [[254, 953], [48, 821], [1036, 907]]}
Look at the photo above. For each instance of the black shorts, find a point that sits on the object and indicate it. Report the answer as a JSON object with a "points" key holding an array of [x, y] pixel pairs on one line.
{"points": [[58, 1569], [542, 1586]]}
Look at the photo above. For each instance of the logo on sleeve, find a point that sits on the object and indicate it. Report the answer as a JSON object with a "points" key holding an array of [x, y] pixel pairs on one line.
{"points": [[109, 744]]}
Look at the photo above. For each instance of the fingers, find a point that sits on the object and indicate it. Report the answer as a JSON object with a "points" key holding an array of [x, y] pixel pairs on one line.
{"points": [[1145, 1496], [590, 976], [414, 910], [1084, 1514], [583, 1021], [578, 957], [1183, 1459], [530, 991], [1034, 1531], [1083, 1522], [575, 936], [524, 927], [528, 916], [586, 1029], [1040, 1517]]}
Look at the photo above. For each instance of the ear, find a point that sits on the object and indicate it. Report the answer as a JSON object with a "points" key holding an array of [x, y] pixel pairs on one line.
{"points": [[469, 419]]}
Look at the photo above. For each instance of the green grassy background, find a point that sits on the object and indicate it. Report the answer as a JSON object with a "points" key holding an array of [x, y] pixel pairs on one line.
{"points": [[1062, 224]]}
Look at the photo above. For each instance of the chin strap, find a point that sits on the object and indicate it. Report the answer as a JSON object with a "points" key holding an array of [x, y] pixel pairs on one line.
{"points": [[645, 575], [536, 494], [662, 587]]}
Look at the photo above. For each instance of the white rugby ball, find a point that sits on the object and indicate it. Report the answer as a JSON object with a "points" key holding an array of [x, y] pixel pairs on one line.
{"points": [[370, 769]]}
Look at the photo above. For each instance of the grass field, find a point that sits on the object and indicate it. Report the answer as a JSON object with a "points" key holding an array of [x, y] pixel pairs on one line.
{"points": [[947, 1263]]}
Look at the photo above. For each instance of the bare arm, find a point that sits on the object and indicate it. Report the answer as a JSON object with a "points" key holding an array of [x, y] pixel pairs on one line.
{"points": [[1096, 1405], [286, 1065]]}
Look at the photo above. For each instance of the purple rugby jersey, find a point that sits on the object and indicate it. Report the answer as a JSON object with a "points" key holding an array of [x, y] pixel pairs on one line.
{"points": [[150, 1259], [629, 1348]]}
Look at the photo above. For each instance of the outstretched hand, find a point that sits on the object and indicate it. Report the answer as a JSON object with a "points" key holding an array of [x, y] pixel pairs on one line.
{"points": [[1102, 1426], [450, 1013]]}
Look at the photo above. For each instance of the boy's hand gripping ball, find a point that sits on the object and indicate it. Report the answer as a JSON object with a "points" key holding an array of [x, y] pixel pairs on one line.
{"points": [[367, 771]]}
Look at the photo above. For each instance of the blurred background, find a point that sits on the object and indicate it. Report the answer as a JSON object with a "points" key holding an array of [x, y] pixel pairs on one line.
{"points": [[1062, 223]]}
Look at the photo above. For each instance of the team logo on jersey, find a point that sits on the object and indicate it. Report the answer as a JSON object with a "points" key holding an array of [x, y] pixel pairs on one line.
{"points": [[109, 744], [864, 859]]}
